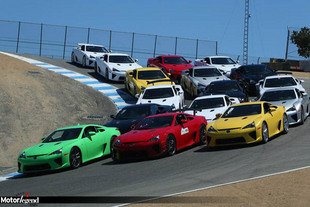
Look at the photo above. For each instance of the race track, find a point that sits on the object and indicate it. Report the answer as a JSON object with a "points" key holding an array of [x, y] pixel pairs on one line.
{"points": [[187, 170]]}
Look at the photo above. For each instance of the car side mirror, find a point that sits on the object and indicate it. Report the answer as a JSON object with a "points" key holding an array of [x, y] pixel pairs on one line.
{"points": [[136, 60], [112, 116], [189, 61], [91, 133], [302, 81], [43, 138], [183, 121], [218, 115], [130, 73], [137, 95]]}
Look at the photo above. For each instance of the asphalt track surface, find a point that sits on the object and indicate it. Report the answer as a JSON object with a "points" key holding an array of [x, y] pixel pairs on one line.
{"points": [[193, 168]]}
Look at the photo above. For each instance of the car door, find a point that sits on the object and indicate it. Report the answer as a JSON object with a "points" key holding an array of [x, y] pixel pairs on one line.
{"points": [[271, 115], [93, 142], [80, 53], [183, 131]]}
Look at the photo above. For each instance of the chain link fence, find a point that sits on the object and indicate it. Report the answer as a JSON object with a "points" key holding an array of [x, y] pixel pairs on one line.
{"points": [[57, 41]]}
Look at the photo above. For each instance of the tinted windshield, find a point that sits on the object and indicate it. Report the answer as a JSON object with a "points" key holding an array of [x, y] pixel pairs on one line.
{"points": [[244, 110], [96, 49], [63, 135], [158, 93], [175, 60], [223, 87], [120, 59], [222, 61], [208, 103], [206, 72], [278, 95], [133, 112], [151, 74], [154, 122], [256, 69], [280, 82]]}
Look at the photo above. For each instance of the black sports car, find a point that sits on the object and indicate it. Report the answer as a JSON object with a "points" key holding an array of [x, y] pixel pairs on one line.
{"points": [[130, 115], [249, 75], [230, 88]]}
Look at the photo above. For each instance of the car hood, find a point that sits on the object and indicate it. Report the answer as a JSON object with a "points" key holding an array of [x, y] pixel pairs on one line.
{"points": [[47, 148], [141, 135], [207, 80], [226, 68], [286, 103], [235, 122], [209, 114], [178, 67], [160, 101], [123, 125], [124, 66], [95, 54]]}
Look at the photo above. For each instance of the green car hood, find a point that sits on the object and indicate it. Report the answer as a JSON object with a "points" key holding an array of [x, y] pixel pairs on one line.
{"points": [[47, 148]]}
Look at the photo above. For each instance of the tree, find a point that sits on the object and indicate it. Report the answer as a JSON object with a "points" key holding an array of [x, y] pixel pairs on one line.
{"points": [[302, 40]]}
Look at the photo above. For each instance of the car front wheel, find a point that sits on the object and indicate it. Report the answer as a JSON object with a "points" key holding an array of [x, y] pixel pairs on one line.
{"points": [[75, 158], [265, 133], [171, 145]]}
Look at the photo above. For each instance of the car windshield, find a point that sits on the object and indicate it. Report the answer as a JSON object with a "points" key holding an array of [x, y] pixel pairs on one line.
{"points": [[150, 74], [206, 72], [223, 87], [63, 135], [133, 113], [175, 60], [120, 59], [280, 82], [96, 49], [154, 122], [208, 103], [278, 95], [243, 110], [157, 93], [256, 69], [222, 61]]}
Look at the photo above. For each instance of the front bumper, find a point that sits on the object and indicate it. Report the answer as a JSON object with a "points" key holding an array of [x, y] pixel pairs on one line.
{"points": [[117, 76], [42, 163], [293, 117], [227, 137]]}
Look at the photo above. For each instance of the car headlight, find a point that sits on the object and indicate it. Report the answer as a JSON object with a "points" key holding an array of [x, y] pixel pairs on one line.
{"points": [[56, 152], [291, 109], [154, 139], [92, 57], [211, 129], [251, 125], [114, 69], [22, 155], [117, 142], [241, 99]]}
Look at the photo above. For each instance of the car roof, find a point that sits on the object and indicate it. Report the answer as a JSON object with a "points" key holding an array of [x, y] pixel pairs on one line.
{"points": [[79, 126], [206, 66], [159, 86], [119, 54], [169, 56], [280, 76], [87, 44], [217, 56], [209, 96]]}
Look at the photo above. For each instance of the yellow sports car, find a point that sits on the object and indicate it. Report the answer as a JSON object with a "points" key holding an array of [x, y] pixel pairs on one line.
{"points": [[247, 123], [138, 79]]}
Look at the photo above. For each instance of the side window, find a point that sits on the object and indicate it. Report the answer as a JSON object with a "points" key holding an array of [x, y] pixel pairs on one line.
{"points": [[160, 59], [134, 74], [266, 107], [105, 58], [190, 71], [178, 119], [175, 90], [228, 102], [89, 129], [83, 47]]}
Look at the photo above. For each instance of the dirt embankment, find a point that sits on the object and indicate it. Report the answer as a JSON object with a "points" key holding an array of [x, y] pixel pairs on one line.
{"points": [[34, 101]]}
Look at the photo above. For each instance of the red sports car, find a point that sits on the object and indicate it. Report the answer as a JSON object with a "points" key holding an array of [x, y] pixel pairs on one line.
{"points": [[161, 134], [173, 64]]}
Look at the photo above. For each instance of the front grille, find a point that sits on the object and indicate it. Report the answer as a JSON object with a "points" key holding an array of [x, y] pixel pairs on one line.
{"points": [[230, 141], [37, 167], [294, 117], [253, 135], [35, 156], [229, 129], [58, 161]]}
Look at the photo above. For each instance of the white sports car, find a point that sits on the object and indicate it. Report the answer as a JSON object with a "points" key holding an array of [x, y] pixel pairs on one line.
{"points": [[171, 95], [196, 79], [278, 81], [210, 106], [223, 63], [85, 54], [113, 66], [296, 103]]}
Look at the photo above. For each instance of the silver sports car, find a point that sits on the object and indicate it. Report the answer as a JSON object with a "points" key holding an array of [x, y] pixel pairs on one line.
{"points": [[297, 103]]}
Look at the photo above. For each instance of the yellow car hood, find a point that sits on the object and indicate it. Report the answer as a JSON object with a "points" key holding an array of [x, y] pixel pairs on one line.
{"points": [[235, 122]]}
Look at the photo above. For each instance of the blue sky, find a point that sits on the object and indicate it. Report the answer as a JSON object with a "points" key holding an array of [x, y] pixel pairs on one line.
{"points": [[219, 20]]}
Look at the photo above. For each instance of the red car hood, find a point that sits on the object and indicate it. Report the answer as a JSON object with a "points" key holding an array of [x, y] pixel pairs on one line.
{"points": [[141, 135], [178, 67]]}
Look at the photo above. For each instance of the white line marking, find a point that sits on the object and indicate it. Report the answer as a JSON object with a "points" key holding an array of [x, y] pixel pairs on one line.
{"points": [[220, 185], [85, 79], [99, 85]]}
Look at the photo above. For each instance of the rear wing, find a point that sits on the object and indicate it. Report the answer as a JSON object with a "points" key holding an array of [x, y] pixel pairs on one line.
{"points": [[158, 81]]}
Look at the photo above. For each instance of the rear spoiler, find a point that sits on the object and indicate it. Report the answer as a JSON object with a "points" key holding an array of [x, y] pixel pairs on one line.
{"points": [[157, 81], [188, 109]]}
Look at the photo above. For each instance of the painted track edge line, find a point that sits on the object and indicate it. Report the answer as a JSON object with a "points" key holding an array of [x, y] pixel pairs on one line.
{"points": [[219, 185]]}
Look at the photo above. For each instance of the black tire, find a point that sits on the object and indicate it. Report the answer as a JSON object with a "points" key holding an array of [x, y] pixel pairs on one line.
{"points": [[84, 62], [111, 144], [171, 145], [95, 67], [265, 133], [285, 124], [75, 158], [302, 116], [202, 135], [106, 74]]}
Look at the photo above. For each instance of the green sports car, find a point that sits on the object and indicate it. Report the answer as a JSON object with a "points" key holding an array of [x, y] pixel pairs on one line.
{"points": [[67, 147]]}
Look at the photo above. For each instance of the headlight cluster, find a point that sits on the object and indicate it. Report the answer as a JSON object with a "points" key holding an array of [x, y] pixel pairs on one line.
{"points": [[211, 129], [154, 139], [251, 125], [56, 152], [22, 155]]}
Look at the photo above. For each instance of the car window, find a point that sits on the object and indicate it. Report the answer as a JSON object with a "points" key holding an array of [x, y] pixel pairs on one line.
{"points": [[151, 74], [120, 59], [266, 107], [105, 58], [134, 74], [159, 59], [175, 60], [96, 49], [206, 72], [242, 110], [278, 95], [207, 60], [222, 61], [83, 47], [133, 113], [63, 135], [154, 122], [280, 82], [208, 103], [89, 129], [157, 93]]}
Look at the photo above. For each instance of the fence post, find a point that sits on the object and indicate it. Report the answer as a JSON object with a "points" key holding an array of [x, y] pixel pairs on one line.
{"points": [[287, 42], [155, 45], [65, 42], [88, 31], [197, 42], [110, 40], [258, 59], [17, 41], [132, 43], [41, 33], [176, 45], [216, 52]]}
